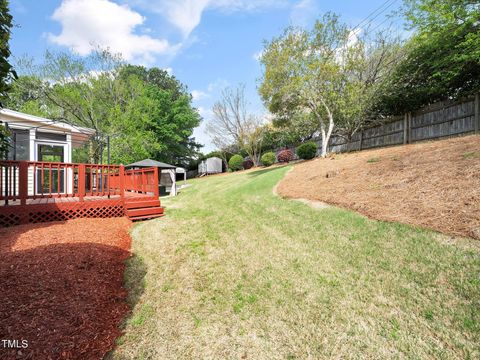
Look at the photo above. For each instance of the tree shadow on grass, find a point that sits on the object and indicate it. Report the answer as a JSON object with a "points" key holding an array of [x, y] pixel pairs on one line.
{"points": [[134, 280], [265, 171]]}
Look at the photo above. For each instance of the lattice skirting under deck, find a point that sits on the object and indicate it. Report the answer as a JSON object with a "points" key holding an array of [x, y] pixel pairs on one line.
{"points": [[17, 214]]}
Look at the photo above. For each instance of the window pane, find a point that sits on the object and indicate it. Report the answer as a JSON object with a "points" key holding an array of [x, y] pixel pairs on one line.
{"points": [[50, 153], [39, 135], [20, 141]]}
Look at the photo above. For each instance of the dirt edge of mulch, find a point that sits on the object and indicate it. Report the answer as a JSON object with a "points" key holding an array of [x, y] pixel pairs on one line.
{"points": [[434, 185], [62, 286]]}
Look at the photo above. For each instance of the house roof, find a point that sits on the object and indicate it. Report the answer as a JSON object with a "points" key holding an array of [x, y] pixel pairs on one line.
{"points": [[151, 163], [18, 119]]}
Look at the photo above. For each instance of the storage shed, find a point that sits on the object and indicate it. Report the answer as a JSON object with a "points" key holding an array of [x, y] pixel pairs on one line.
{"points": [[211, 165], [181, 174]]}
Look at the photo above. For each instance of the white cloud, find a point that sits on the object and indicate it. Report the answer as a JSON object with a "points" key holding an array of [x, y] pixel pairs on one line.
{"points": [[352, 39], [304, 12], [257, 56], [204, 113], [199, 132], [218, 84], [187, 14], [353, 36], [90, 23], [199, 95]]}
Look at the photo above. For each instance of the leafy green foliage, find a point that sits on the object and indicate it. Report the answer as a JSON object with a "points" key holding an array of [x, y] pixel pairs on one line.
{"points": [[284, 132], [146, 113], [268, 158], [301, 75], [307, 150], [7, 74], [236, 162], [317, 80], [442, 57]]}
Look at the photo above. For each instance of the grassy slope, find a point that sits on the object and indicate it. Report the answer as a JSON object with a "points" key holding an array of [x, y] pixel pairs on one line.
{"points": [[235, 272]]}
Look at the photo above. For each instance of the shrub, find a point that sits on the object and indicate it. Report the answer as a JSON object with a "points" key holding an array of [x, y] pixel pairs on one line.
{"points": [[307, 151], [235, 162], [268, 158], [247, 164], [285, 156]]}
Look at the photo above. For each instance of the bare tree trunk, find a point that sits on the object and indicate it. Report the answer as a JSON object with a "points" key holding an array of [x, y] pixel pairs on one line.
{"points": [[224, 159], [327, 136]]}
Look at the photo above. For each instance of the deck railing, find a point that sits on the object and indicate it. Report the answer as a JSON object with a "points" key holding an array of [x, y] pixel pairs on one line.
{"points": [[142, 181], [22, 180]]}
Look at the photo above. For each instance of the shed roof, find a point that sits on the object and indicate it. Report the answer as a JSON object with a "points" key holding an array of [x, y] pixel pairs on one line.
{"points": [[151, 163]]}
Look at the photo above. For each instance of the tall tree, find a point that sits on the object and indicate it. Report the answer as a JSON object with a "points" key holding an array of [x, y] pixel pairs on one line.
{"points": [[79, 90], [370, 60], [329, 74], [171, 115], [144, 112], [233, 125], [303, 73], [442, 57], [7, 74], [156, 77]]}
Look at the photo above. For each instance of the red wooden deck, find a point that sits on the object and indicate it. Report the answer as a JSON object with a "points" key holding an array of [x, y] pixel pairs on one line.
{"points": [[32, 192]]}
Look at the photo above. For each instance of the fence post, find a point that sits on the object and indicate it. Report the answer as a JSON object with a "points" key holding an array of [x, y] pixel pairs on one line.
{"points": [[23, 182], [477, 113], [361, 139], [81, 181], [121, 176], [405, 128], [409, 128]]}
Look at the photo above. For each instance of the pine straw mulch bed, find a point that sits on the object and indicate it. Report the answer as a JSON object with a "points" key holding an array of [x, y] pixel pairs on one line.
{"points": [[61, 287], [434, 184]]}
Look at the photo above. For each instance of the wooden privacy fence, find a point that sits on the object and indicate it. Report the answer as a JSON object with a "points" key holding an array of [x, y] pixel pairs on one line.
{"points": [[442, 119]]}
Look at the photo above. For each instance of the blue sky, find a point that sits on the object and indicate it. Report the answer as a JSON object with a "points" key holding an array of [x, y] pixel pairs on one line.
{"points": [[206, 44]]}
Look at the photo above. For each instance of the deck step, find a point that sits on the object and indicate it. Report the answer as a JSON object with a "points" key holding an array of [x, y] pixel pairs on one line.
{"points": [[147, 217], [142, 204], [147, 211]]}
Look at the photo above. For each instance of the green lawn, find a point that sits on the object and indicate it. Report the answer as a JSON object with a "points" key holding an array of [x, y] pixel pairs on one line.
{"points": [[235, 272]]}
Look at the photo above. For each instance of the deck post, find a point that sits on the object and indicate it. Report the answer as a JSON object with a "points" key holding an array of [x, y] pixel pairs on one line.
{"points": [[155, 182], [121, 174], [23, 182], [144, 183], [81, 181]]}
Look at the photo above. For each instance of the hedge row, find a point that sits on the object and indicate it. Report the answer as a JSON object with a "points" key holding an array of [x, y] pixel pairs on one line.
{"points": [[305, 151]]}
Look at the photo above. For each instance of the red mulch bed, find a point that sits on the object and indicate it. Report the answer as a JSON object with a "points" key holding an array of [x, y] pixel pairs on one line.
{"points": [[61, 287]]}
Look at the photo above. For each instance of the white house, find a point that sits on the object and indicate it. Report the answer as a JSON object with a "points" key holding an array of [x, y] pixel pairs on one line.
{"points": [[40, 139]]}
